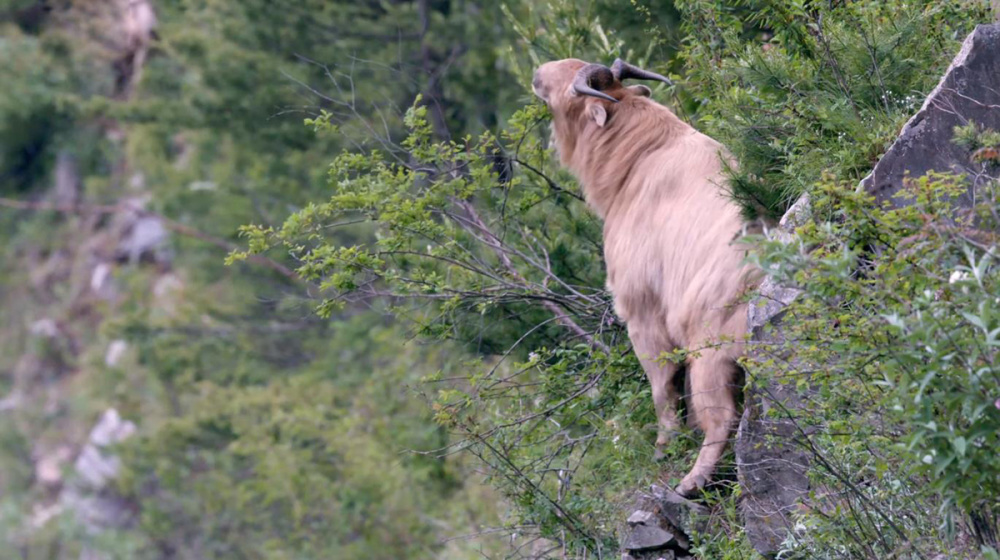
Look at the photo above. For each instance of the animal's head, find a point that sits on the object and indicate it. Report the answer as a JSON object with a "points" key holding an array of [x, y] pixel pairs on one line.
{"points": [[599, 125], [575, 89]]}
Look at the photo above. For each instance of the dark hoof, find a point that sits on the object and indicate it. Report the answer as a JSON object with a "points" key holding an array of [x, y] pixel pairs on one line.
{"points": [[692, 485]]}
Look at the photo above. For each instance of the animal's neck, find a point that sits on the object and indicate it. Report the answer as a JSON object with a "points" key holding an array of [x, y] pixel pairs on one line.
{"points": [[604, 160]]}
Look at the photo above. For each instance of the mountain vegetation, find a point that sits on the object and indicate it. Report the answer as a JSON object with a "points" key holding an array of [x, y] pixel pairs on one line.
{"points": [[321, 255]]}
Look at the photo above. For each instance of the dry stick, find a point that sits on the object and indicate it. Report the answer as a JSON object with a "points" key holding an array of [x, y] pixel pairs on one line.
{"points": [[172, 225], [501, 253], [572, 522]]}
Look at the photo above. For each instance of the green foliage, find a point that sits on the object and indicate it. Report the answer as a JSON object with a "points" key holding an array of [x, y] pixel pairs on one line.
{"points": [[645, 32], [436, 214], [724, 539], [559, 416], [212, 137], [890, 334], [34, 109], [268, 432], [796, 90], [502, 260], [984, 142], [320, 463]]}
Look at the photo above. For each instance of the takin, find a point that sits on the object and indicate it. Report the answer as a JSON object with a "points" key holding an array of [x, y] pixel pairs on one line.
{"points": [[671, 239]]}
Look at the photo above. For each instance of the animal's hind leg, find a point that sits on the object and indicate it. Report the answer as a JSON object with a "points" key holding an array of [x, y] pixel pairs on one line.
{"points": [[665, 398], [661, 381], [713, 403]]}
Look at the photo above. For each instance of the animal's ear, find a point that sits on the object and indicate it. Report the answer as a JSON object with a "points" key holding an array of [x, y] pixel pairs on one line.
{"points": [[640, 89], [597, 113]]}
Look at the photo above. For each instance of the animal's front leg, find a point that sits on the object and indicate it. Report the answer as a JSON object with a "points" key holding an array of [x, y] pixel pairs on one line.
{"points": [[661, 381]]}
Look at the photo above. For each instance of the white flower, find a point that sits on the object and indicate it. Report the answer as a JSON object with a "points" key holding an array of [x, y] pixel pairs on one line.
{"points": [[957, 276]]}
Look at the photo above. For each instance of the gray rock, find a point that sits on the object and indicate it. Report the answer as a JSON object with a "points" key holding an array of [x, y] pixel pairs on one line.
{"points": [[116, 349], [771, 298], [681, 514], [95, 468], [147, 239], [659, 555], [771, 467], [969, 91], [653, 555], [89, 494], [45, 328], [645, 538], [772, 464], [661, 524], [97, 512], [102, 281], [640, 517], [110, 429]]}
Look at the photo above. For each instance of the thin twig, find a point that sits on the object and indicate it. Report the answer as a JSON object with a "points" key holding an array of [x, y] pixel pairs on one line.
{"points": [[560, 314]]}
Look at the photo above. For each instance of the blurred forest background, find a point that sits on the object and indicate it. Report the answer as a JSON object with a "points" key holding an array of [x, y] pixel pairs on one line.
{"points": [[156, 129], [426, 364]]}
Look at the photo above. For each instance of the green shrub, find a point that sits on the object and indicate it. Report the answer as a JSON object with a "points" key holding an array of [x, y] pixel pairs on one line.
{"points": [[892, 339], [799, 89], [506, 263]]}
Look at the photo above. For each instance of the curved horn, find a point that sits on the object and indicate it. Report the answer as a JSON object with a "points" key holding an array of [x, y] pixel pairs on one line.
{"points": [[591, 79], [622, 70]]}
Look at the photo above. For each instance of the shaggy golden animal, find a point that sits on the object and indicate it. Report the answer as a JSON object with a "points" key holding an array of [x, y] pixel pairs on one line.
{"points": [[671, 238]]}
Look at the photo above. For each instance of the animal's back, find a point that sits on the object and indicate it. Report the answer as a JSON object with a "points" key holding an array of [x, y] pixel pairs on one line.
{"points": [[671, 244]]}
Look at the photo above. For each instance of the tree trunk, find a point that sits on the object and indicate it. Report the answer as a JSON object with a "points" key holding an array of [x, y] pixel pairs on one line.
{"points": [[433, 92]]}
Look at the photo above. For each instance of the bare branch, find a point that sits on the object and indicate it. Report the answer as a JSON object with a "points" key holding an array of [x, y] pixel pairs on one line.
{"points": [[501, 254]]}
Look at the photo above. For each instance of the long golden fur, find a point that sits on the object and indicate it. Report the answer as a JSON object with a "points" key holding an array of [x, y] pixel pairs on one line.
{"points": [[670, 242]]}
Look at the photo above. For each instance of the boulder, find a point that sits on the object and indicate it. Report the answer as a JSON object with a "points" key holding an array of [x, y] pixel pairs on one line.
{"points": [[646, 538], [772, 468], [969, 91], [661, 525]]}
